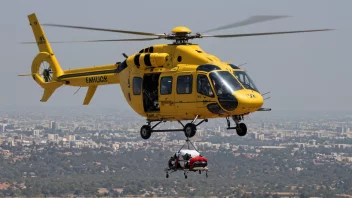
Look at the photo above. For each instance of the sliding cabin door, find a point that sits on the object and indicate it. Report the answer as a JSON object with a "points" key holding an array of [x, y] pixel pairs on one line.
{"points": [[167, 95], [185, 95]]}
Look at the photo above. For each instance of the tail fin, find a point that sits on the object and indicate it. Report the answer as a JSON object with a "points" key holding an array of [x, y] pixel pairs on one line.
{"points": [[45, 67], [39, 35]]}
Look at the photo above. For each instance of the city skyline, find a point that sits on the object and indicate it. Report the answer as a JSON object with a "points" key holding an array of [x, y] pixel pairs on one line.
{"points": [[283, 156]]}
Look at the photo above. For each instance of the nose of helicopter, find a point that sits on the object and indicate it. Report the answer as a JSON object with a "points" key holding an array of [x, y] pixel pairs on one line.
{"points": [[248, 101]]}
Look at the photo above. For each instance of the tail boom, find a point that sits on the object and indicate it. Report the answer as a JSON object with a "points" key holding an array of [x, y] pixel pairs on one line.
{"points": [[85, 77], [52, 77]]}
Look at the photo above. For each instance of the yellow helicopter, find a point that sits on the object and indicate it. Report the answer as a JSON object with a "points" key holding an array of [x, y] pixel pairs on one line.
{"points": [[164, 82]]}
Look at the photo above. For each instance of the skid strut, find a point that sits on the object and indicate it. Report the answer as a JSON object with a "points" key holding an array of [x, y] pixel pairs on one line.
{"points": [[241, 128], [189, 129]]}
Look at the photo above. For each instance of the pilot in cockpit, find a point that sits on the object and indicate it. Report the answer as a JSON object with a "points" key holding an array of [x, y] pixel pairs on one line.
{"points": [[219, 87], [204, 86]]}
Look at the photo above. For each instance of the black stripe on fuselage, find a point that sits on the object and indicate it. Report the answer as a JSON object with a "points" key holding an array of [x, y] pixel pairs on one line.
{"points": [[87, 74], [194, 101]]}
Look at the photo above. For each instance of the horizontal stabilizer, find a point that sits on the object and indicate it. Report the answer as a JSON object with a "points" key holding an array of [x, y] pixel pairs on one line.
{"points": [[90, 94], [264, 109], [27, 74]]}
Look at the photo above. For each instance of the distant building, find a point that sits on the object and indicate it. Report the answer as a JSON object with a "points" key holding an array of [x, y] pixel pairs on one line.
{"points": [[340, 130], [226, 146], [3, 127], [200, 132], [53, 136], [255, 135], [70, 137], [261, 137], [53, 125], [301, 145], [36, 132], [312, 142]]}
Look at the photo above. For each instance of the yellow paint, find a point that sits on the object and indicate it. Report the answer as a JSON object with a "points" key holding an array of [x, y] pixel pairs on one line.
{"points": [[166, 60], [181, 29], [90, 93], [246, 102]]}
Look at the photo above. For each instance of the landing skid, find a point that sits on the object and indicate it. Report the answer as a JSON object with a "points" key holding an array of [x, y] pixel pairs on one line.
{"points": [[241, 128], [189, 129]]}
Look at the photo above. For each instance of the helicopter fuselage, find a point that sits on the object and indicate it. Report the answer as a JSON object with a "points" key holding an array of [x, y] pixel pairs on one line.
{"points": [[162, 82], [173, 82], [183, 84]]}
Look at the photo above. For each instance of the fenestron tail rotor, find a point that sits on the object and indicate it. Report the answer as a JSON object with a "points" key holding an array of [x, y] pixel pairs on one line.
{"points": [[182, 34], [45, 71]]}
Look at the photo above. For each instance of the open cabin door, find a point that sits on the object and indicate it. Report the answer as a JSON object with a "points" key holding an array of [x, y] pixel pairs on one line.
{"points": [[150, 92]]}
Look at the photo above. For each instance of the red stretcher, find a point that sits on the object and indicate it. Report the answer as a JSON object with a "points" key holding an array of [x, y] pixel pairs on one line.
{"points": [[188, 160]]}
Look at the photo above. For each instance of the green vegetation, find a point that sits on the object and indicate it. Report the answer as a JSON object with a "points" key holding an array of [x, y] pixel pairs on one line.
{"points": [[53, 172]]}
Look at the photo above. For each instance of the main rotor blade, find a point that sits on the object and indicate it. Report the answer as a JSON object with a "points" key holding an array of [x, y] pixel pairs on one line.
{"points": [[137, 39], [248, 21], [264, 33], [103, 29]]}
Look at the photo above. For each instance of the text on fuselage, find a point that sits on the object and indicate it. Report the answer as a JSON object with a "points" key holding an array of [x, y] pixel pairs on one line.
{"points": [[96, 79]]}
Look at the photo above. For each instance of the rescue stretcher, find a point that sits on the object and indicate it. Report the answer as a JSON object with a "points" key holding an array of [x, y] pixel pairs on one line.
{"points": [[195, 169], [187, 155]]}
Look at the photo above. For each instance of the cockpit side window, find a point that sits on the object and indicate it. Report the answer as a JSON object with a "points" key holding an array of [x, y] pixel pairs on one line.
{"points": [[203, 86], [224, 82], [121, 66], [207, 67], [246, 81]]}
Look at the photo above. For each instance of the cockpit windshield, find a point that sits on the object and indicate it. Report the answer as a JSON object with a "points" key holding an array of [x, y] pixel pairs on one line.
{"points": [[224, 82], [246, 81]]}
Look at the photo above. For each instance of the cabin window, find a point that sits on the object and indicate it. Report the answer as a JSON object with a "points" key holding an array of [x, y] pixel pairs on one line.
{"points": [[166, 85], [137, 85], [184, 84], [203, 86]]}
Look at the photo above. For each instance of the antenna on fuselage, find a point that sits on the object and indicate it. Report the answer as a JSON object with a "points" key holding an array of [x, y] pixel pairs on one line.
{"points": [[77, 90], [265, 93], [242, 64], [125, 55]]}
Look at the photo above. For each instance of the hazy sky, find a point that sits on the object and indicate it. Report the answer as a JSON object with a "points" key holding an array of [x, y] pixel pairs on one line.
{"points": [[309, 71]]}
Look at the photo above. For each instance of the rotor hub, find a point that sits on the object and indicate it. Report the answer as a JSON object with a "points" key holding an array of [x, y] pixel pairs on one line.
{"points": [[180, 34], [181, 30]]}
